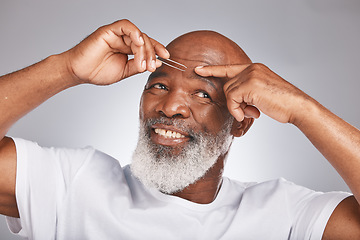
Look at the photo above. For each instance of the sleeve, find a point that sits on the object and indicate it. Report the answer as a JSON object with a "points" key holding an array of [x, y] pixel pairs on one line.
{"points": [[311, 211], [42, 178]]}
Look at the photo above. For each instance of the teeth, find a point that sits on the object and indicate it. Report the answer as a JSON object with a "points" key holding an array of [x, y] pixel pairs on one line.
{"points": [[168, 133]]}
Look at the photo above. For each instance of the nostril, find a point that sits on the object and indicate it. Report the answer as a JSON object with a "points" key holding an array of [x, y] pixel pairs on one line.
{"points": [[173, 107], [162, 113], [177, 115]]}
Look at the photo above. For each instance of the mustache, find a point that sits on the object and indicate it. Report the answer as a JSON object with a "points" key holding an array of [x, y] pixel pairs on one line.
{"points": [[176, 122]]}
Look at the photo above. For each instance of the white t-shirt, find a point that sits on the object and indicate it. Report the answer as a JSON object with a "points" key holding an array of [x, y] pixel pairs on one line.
{"points": [[85, 194]]}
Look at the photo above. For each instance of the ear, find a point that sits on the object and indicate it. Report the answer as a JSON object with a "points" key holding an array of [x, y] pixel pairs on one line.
{"points": [[240, 128]]}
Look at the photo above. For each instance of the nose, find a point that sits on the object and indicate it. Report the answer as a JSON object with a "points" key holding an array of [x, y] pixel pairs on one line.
{"points": [[174, 105]]}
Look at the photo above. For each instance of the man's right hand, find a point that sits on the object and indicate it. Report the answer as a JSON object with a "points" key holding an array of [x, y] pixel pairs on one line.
{"points": [[102, 58]]}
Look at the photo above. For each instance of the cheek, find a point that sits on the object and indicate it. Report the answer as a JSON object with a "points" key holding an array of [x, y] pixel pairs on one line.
{"points": [[211, 117], [145, 105]]}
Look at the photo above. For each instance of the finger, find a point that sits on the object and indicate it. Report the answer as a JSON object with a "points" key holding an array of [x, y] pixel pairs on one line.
{"points": [[158, 63], [130, 69], [139, 57], [119, 44], [125, 27], [149, 54], [228, 71], [236, 110], [235, 82], [127, 40], [235, 107], [239, 94], [160, 49], [251, 112]]}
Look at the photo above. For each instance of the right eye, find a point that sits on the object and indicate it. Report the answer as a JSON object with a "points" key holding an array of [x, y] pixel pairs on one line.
{"points": [[158, 86]]}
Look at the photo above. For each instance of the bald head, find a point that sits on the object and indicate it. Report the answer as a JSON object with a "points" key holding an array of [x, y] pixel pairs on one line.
{"points": [[209, 47]]}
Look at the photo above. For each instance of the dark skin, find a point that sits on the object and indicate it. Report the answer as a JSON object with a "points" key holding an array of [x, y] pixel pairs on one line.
{"points": [[102, 59]]}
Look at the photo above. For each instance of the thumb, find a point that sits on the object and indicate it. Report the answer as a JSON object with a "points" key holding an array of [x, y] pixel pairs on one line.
{"points": [[228, 71], [251, 112], [130, 69]]}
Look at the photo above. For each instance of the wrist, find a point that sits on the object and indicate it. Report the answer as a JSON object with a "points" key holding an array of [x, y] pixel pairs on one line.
{"points": [[309, 110], [61, 63]]}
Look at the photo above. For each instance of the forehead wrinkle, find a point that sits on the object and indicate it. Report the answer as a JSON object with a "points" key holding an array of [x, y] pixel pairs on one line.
{"points": [[195, 60]]}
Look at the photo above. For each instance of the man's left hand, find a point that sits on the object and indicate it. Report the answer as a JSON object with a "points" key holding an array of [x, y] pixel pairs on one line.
{"points": [[254, 86]]}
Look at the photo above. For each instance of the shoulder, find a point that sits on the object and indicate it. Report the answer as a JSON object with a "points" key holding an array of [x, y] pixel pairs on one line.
{"points": [[30, 149], [68, 163], [273, 186], [290, 194]]}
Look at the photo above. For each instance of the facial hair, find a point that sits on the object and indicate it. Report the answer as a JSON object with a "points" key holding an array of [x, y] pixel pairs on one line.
{"points": [[156, 166]]}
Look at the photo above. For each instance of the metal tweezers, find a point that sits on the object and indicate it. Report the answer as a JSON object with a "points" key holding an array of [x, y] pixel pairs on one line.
{"points": [[171, 63]]}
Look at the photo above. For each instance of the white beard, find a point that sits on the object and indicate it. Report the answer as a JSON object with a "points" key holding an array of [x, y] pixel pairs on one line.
{"points": [[157, 167]]}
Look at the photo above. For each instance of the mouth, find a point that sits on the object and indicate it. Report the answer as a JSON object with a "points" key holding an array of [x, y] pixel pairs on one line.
{"points": [[168, 135]]}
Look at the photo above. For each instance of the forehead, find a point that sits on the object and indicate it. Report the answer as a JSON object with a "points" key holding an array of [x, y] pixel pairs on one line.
{"points": [[207, 46], [202, 48], [199, 56], [208, 50]]}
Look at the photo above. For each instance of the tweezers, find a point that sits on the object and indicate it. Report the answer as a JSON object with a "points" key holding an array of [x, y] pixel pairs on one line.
{"points": [[174, 64]]}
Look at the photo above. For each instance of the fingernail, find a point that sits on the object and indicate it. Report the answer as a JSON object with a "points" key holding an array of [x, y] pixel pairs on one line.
{"points": [[143, 65], [153, 64], [167, 52], [199, 67], [141, 39]]}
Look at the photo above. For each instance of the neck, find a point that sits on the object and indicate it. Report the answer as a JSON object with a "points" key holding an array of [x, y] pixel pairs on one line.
{"points": [[205, 189]]}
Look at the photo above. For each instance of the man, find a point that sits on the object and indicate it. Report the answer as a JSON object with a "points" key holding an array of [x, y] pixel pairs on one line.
{"points": [[174, 187]]}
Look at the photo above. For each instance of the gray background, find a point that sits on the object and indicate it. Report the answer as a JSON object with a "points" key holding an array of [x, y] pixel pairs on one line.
{"points": [[312, 43]]}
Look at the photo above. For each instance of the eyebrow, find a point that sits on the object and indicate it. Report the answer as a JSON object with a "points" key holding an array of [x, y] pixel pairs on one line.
{"points": [[207, 80], [158, 74]]}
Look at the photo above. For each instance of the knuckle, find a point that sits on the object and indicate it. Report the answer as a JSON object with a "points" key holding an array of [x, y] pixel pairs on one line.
{"points": [[255, 74], [258, 66], [227, 69], [102, 28], [255, 82], [233, 92], [125, 21], [227, 86]]}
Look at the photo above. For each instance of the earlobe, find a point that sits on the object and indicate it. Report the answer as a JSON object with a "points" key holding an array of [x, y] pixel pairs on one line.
{"points": [[240, 128]]}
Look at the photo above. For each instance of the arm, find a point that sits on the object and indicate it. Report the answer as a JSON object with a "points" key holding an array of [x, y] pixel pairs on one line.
{"points": [[256, 85], [19, 94], [101, 59]]}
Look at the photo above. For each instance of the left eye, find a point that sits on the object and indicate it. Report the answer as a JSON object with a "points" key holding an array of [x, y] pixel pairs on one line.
{"points": [[203, 94]]}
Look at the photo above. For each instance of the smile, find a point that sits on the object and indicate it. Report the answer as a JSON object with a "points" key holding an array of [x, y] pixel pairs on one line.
{"points": [[168, 133]]}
